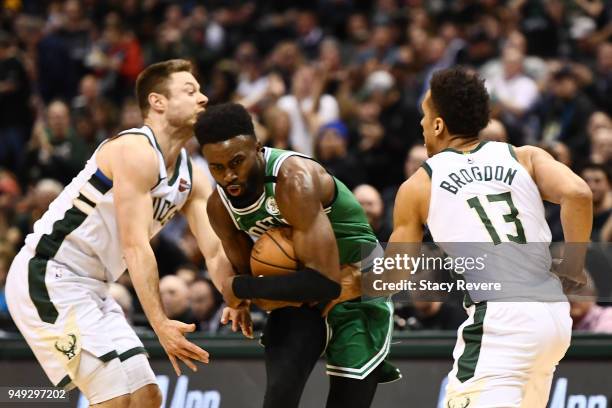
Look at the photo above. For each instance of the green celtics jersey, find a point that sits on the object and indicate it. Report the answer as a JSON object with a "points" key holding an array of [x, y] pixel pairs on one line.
{"points": [[347, 218]]}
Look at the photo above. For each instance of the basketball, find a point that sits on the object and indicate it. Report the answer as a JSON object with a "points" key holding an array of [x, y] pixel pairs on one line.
{"points": [[273, 253]]}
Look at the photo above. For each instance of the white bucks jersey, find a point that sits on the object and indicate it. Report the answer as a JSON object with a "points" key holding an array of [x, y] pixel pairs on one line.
{"points": [[80, 229], [487, 196], [484, 196]]}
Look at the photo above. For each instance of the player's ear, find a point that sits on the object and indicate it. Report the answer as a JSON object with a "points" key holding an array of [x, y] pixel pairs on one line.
{"points": [[156, 101], [259, 146], [438, 126]]}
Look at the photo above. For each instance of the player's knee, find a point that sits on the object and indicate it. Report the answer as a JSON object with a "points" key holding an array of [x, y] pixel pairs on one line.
{"points": [[147, 396]]}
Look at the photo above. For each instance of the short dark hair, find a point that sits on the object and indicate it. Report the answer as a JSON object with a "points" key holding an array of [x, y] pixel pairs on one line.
{"points": [[223, 122], [604, 168], [155, 77], [462, 101]]}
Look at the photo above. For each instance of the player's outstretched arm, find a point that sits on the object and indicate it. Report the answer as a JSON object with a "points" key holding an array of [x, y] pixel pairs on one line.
{"points": [[559, 185], [132, 165], [209, 243], [298, 195], [218, 264]]}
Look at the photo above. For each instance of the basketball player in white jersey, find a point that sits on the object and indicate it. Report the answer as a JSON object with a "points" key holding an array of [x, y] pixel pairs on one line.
{"points": [[99, 226], [472, 191]]}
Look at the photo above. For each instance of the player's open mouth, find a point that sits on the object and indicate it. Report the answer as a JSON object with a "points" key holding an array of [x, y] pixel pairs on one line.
{"points": [[234, 189]]}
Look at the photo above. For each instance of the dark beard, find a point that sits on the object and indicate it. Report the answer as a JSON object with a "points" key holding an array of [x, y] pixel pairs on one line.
{"points": [[253, 188]]}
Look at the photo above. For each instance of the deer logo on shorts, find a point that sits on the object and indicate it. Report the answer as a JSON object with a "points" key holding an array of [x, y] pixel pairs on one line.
{"points": [[67, 346], [459, 402]]}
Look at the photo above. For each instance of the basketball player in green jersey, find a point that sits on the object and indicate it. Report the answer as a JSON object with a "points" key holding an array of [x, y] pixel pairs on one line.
{"points": [[262, 188], [490, 192]]}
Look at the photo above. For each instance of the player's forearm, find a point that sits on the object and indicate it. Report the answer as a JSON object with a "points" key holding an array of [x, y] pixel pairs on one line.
{"points": [[219, 268], [577, 214], [577, 221], [306, 285], [144, 275]]}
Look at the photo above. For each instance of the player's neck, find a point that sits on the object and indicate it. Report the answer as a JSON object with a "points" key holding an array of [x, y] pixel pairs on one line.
{"points": [[170, 139], [462, 144]]}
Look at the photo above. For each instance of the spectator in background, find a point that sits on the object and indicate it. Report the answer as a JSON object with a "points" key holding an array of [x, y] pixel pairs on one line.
{"points": [[372, 204], [332, 152], [36, 204], [601, 146], [252, 82], [512, 92], [88, 97], [205, 302], [370, 150], [119, 60], [414, 159], [188, 273], [124, 299], [285, 60], [277, 128], [174, 295], [597, 177], [15, 115], [382, 50], [495, 132], [56, 151], [357, 34], [564, 113], [308, 108], [309, 34], [130, 115], [597, 120], [586, 314], [168, 254], [534, 67], [601, 87], [223, 82], [62, 52], [9, 196]]}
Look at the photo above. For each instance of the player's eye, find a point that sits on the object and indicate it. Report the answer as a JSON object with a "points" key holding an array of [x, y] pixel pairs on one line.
{"points": [[237, 161]]}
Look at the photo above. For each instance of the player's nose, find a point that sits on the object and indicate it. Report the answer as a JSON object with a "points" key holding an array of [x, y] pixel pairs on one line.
{"points": [[229, 177], [202, 99]]}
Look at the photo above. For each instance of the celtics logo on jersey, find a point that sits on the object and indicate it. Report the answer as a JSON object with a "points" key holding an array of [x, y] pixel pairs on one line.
{"points": [[271, 206]]}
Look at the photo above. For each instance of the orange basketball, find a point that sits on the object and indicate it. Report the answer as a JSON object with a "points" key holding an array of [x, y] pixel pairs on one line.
{"points": [[273, 253]]}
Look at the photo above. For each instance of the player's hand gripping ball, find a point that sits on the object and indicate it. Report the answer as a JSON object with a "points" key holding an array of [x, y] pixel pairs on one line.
{"points": [[273, 255]]}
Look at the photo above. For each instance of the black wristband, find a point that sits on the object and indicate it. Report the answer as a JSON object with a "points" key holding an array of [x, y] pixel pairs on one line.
{"points": [[306, 285]]}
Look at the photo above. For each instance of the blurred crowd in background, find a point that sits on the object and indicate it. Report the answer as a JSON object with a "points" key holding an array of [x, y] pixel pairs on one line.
{"points": [[341, 80]]}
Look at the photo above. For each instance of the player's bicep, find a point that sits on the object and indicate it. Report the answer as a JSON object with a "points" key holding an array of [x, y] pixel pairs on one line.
{"points": [[313, 237], [410, 209], [555, 181], [134, 174]]}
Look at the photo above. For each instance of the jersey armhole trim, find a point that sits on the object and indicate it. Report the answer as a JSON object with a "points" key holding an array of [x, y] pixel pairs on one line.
{"points": [[512, 152], [190, 171], [100, 175], [427, 168]]}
